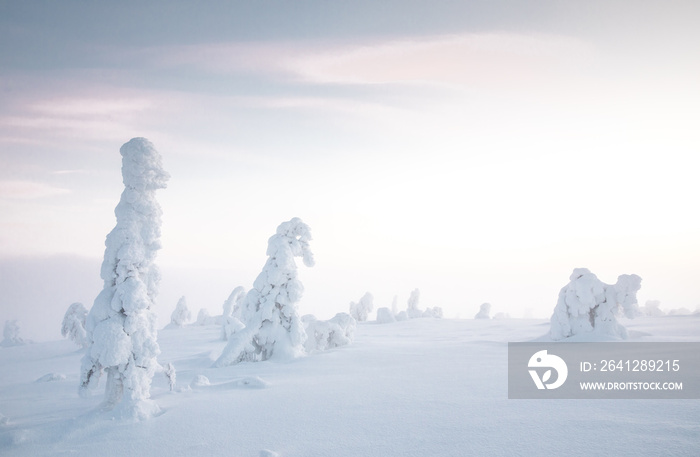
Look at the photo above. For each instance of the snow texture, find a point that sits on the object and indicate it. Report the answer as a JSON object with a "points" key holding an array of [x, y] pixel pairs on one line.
{"points": [[484, 311], [73, 326], [587, 305], [273, 327], [360, 310], [182, 314], [323, 335], [121, 325]]}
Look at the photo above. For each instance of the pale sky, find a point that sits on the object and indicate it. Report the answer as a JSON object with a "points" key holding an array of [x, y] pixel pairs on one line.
{"points": [[477, 151]]}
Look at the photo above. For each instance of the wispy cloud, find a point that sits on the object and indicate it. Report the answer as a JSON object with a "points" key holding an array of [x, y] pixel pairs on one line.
{"points": [[28, 190]]}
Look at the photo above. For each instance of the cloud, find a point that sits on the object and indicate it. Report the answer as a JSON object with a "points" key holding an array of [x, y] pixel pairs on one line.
{"points": [[489, 59], [28, 190]]}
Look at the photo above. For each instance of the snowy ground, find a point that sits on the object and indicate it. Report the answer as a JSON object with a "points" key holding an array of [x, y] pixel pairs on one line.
{"points": [[425, 387]]}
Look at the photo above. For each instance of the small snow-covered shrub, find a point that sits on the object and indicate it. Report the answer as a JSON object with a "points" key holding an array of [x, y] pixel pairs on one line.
{"points": [[200, 381], [360, 310], [322, 335], [73, 325], [484, 311], [182, 314], [171, 374], [402, 316], [11, 334], [269, 312], [435, 312], [587, 304], [385, 316]]}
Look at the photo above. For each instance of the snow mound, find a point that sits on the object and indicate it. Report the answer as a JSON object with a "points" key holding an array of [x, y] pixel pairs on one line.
{"points": [[200, 381], [52, 377]]}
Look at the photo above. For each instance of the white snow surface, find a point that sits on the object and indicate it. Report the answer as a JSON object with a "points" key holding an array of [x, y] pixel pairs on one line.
{"points": [[416, 388]]}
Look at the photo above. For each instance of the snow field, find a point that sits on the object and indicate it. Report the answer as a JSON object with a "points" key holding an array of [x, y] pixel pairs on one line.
{"points": [[423, 387]]}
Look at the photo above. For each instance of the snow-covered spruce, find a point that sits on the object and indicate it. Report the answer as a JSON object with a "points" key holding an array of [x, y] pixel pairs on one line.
{"points": [[484, 311], [587, 304], [73, 325], [272, 324], [360, 310], [385, 316], [322, 335], [231, 317], [181, 314], [11, 334], [121, 325], [412, 307]]}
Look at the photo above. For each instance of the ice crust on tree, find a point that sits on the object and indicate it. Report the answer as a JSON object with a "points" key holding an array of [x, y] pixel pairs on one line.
{"points": [[360, 310], [323, 335], [587, 304], [121, 325], [73, 325], [182, 314], [273, 327], [484, 311]]}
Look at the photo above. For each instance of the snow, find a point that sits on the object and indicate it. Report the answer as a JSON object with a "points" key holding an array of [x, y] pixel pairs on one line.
{"points": [[420, 387]]}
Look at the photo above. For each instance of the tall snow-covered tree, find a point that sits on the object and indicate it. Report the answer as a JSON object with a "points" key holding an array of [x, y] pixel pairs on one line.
{"points": [[272, 323], [587, 304], [121, 325], [73, 325], [231, 317]]}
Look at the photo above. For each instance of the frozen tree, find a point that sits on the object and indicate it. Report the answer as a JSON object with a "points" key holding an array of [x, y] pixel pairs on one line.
{"points": [[181, 315], [322, 335], [231, 318], [385, 316], [171, 374], [652, 308], [587, 304], [11, 334], [204, 318], [73, 325], [435, 312], [121, 325], [412, 310], [484, 311], [395, 306], [360, 311], [269, 312]]}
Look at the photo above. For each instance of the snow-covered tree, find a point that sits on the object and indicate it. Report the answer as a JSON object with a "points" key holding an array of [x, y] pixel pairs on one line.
{"points": [[181, 315], [121, 325], [73, 325], [385, 316], [231, 318], [322, 335], [435, 312], [204, 318], [652, 308], [587, 304], [412, 309], [11, 334], [360, 310], [269, 312], [484, 311]]}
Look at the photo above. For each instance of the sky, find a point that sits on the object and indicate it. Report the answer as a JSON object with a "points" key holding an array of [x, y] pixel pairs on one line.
{"points": [[476, 150]]}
